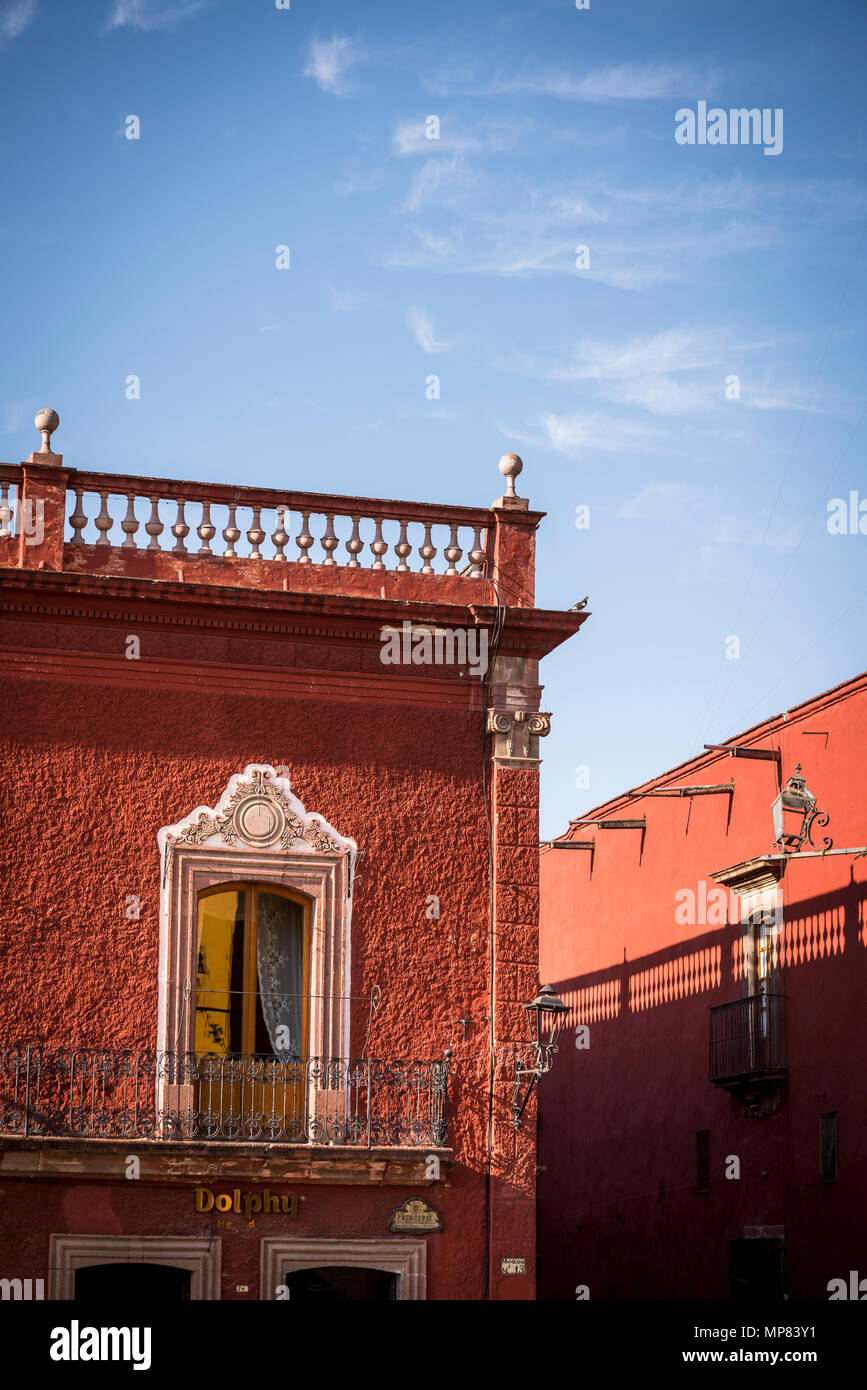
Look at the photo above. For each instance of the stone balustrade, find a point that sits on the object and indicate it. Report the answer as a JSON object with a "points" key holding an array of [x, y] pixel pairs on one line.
{"points": [[229, 523], [54, 517], [221, 522]]}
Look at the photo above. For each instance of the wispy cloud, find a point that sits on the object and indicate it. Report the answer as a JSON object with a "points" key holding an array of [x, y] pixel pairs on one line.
{"points": [[441, 181], [708, 512], [620, 82], [141, 14], [345, 301], [422, 329], [641, 371], [661, 502], [17, 415], [639, 236], [674, 350], [353, 183], [328, 62], [413, 137], [15, 18], [538, 235], [768, 394], [584, 432], [581, 433], [786, 198], [676, 372]]}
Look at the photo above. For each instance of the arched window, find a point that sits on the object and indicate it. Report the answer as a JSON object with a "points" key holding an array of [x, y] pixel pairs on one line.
{"points": [[255, 916], [252, 971]]}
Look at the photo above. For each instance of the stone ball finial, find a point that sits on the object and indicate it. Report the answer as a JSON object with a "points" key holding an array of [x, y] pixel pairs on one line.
{"points": [[46, 421], [510, 466]]}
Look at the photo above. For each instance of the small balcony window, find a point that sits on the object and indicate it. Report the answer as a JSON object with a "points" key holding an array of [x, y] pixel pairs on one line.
{"points": [[252, 972]]}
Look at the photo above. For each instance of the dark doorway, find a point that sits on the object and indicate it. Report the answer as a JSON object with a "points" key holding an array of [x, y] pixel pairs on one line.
{"points": [[149, 1283], [339, 1282], [756, 1270]]}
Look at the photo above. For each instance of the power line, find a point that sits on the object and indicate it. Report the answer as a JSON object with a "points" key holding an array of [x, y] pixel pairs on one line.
{"points": [[791, 668]]}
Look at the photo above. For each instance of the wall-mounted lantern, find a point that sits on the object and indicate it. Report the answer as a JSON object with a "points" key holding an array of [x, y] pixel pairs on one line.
{"points": [[545, 1018], [794, 813]]}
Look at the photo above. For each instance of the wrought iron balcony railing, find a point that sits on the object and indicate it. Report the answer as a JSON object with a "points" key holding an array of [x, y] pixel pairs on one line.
{"points": [[748, 1040], [96, 1093]]}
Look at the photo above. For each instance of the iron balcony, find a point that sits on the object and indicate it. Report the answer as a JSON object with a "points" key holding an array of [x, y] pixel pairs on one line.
{"points": [[103, 1093], [748, 1040]]}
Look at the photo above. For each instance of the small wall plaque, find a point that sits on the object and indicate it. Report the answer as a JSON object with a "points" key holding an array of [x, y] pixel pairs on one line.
{"points": [[415, 1215], [513, 1265]]}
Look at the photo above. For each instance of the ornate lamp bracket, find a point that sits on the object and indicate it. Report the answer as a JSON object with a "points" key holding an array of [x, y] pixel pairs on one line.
{"points": [[542, 1059]]}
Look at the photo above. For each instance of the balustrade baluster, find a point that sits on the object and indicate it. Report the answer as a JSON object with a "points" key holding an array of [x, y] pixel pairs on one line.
{"points": [[280, 536], [354, 545], [403, 547], [78, 519], [453, 551], [180, 530], [5, 511], [256, 535], [427, 550], [206, 530], [130, 523], [304, 540], [329, 541], [477, 554], [231, 533], [378, 546], [104, 522], [154, 526]]}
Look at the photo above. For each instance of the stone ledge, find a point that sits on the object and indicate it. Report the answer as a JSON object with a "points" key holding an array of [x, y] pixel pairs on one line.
{"points": [[180, 1162]]}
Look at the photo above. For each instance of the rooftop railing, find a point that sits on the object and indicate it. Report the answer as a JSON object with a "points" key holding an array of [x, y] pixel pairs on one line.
{"points": [[221, 522], [305, 527], [115, 526], [98, 1093]]}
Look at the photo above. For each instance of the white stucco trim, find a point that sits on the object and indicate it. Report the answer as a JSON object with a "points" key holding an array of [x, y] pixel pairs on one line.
{"points": [[257, 831]]}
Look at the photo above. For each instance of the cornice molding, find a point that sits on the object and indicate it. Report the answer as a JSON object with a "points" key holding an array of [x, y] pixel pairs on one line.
{"points": [[257, 682], [43, 594]]}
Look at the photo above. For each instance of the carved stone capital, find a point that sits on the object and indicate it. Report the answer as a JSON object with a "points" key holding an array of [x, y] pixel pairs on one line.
{"points": [[517, 733]]}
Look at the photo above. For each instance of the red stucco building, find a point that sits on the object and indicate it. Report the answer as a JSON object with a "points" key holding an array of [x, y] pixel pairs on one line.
{"points": [[703, 1134], [271, 896]]}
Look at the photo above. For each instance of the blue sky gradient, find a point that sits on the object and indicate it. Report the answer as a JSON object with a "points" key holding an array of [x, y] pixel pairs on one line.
{"points": [[456, 256]]}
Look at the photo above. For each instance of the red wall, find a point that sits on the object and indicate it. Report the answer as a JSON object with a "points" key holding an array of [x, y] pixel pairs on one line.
{"points": [[618, 1209], [92, 774], [141, 1209], [93, 769]]}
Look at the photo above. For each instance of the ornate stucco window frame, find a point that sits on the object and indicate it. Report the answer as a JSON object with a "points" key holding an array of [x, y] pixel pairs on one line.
{"points": [[258, 831], [757, 885]]}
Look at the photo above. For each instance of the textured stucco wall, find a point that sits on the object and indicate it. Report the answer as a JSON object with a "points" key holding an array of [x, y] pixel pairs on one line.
{"points": [[94, 768], [618, 1208]]}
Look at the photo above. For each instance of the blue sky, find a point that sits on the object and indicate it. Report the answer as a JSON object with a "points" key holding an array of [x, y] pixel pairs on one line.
{"points": [[457, 256]]}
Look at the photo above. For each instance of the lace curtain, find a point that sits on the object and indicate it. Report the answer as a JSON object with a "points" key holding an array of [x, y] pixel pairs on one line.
{"points": [[280, 965]]}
